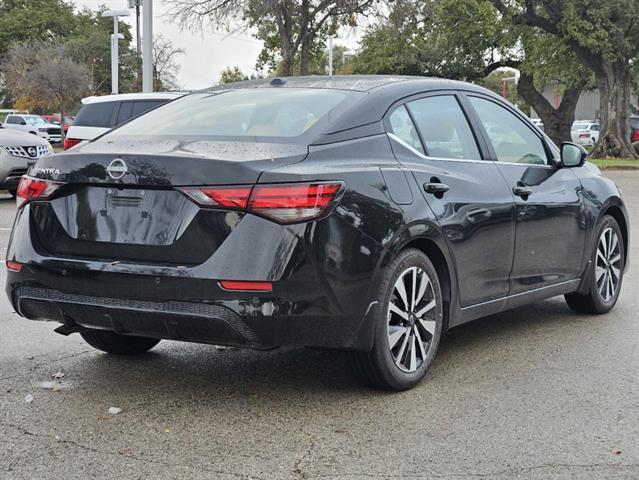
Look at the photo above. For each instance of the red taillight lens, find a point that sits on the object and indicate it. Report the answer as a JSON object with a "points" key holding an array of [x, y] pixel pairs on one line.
{"points": [[584, 135], [34, 189], [225, 197], [14, 266], [294, 202], [284, 203], [246, 286], [70, 142]]}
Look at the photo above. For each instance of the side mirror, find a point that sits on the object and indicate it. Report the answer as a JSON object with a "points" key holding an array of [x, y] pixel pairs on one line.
{"points": [[23, 122], [572, 155]]}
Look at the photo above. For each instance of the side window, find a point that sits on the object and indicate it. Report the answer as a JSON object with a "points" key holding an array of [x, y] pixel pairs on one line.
{"points": [[141, 107], [594, 128], [95, 115], [512, 140], [444, 128], [125, 112], [13, 120], [402, 126]]}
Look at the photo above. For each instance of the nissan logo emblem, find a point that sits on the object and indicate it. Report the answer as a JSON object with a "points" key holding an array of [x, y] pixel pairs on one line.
{"points": [[116, 169], [32, 151]]}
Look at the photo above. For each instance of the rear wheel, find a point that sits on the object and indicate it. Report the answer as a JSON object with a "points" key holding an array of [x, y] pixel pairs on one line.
{"points": [[606, 271], [111, 342], [408, 327]]}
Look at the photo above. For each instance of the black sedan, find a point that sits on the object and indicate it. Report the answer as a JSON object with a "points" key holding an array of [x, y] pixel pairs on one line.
{"points": [[366, 214]]}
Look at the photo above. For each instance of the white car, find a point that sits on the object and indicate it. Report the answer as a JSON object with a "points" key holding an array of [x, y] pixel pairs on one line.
{"points": [[17, 151], [585, 133], [538, 123], [100, 114], [34, 124]]}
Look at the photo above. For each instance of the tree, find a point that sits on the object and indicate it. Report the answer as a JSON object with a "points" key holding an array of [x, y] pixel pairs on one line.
{"points": [[165, 67], [32, 20], [605, 37], [45, 75], [469, 40], [288, 27], [232, 74], [91, 46]]}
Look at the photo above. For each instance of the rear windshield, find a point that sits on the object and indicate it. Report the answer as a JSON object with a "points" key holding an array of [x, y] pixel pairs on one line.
{"points": [[267, 114], [634, 123], [95, 115]]}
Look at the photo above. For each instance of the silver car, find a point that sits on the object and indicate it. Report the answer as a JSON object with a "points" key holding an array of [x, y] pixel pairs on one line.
{"points": [[17, 151]]}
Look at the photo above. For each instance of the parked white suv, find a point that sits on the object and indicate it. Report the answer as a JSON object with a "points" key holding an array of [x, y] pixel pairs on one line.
{"points": [[34, 124], [585, 132], [100, 114]]}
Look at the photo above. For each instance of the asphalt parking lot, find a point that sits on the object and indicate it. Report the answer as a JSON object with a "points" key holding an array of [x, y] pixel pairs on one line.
{"points": [[536, 392]]}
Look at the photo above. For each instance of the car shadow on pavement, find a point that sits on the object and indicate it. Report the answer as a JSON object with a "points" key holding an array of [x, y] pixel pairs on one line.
{"points": [[193, 370]]}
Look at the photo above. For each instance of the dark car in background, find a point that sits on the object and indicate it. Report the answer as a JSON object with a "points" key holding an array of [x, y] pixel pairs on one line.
{"points": [[367, 214]]}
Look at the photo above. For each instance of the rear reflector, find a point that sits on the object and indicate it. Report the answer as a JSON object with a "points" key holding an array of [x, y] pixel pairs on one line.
{"points": [[247, 286], [14, 266], [584, 135], [34, 189], [284, 202], [70, 142]]}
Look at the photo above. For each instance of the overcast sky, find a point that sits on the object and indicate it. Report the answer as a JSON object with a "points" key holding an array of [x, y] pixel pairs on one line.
{"points": [[206, 54]]}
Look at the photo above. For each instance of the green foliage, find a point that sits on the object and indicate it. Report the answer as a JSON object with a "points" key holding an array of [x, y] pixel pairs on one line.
{"points": [[32, 20], [232, 74]]}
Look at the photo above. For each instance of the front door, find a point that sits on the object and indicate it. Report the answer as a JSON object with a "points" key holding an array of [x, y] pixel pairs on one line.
{"points": [[432, 137], [550, 234]]}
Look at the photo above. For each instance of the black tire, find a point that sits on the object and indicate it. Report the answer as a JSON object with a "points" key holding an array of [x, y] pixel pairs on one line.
{"points": [[594, 302], [378, 368], [111, 342], [635, 145]]}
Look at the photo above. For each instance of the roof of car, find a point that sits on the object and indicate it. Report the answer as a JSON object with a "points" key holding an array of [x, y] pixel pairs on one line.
{"points": [[132, 96], [360, 83]]}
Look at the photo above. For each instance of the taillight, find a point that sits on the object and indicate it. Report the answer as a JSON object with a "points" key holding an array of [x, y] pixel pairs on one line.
{"points": [[235, 198], [283, 202], [289, 203], [584, 135], [70, 142], [14, 266], [34, 189]]}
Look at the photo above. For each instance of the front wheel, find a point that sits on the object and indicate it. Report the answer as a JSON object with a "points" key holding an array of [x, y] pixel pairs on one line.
{"points": [[606, 272], [111, 342], [407, 328]]}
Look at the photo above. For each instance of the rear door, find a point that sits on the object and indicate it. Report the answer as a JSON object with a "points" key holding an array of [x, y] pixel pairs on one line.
{"points": [[550, 218], [432, 137]]}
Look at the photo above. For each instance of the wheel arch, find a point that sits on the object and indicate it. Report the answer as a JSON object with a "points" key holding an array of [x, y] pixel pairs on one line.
{"points": [[617, 213]]}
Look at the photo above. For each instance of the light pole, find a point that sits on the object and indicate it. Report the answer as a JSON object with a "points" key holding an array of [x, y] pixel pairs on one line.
{"points": [[147, 46], [114, 45]]}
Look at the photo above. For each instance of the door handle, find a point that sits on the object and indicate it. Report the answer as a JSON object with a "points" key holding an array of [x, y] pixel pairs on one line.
{"points": [[435, 188], [522, 191]]}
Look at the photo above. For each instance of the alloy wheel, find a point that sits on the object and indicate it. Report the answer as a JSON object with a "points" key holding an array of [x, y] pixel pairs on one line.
{"points": [[411, 318], [608, 264]]}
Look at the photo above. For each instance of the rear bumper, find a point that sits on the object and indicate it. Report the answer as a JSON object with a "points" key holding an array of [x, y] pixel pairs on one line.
{"points": [[260, 322]]}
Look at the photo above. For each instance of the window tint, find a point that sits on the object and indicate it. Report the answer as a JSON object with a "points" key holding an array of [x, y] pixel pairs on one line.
{"points": [[402, 126], [140, 107], [594, 128], [512, 140], [124, 113], [444, 128], [13, 120], [95, 115], [240, 113]]}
